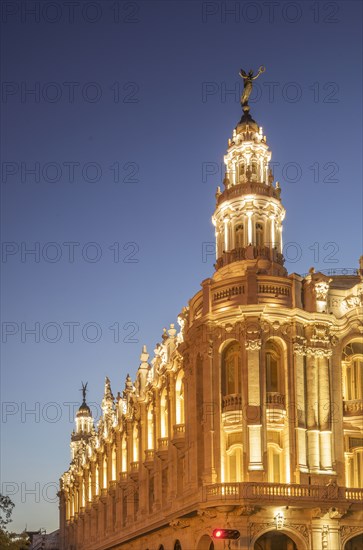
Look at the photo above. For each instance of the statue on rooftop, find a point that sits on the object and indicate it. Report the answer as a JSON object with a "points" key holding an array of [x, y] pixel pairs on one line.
{"points": [[248, 79]]}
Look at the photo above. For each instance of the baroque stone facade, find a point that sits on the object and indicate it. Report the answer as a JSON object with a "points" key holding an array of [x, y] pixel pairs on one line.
{"points": [[250, 416]]}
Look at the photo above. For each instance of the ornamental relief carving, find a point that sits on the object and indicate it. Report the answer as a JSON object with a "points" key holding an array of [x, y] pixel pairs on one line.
{"points": [[253, 345], [353, 301], [318, 352]]}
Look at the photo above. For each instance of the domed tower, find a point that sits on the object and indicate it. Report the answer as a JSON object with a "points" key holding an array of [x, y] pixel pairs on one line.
{"points": [[84, 424], [249, 214]]}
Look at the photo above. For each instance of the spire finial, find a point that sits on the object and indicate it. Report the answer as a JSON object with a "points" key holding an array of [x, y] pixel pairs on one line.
{"points": [[84, 391]]}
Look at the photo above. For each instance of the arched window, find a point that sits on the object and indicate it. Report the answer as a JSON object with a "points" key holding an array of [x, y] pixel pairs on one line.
{"points": [[239, 236], [89, 487], [355, 472], [353, 371], [113, 469], [150, 428], [179, 399], [259, 234], [274, 374], [231, 369], [163, 414], [135, 444], [177, 545], [83, 494], [104, 482], [97, 480], [124, 454], [234, 464]]}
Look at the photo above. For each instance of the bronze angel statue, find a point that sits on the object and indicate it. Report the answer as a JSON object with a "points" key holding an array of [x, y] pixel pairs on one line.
{"points": [[248, 79]]}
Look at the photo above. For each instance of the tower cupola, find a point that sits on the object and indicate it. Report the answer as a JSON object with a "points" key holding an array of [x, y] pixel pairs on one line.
{"points": [[249, 214], [84, 424]]}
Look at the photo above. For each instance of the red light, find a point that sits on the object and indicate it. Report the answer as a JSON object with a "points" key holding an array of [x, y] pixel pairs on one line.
{"points": [[228, 534]]}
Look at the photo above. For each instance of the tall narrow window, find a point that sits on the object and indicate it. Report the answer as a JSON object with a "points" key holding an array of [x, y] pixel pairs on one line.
{"points": [[150, 428], [352, 367], [89, 486], [274, 374], [124, 454], [113, 469], [135, 444], [163, 414], [356, 472], [97, 480], [259, 234], [179, 399], [104, 473], [242, 172], [231, 369], [239, 236], [234, 464], [275, 469]]}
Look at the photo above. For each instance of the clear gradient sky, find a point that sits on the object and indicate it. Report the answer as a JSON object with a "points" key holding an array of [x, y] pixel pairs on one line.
{"points": [[126, 130]]}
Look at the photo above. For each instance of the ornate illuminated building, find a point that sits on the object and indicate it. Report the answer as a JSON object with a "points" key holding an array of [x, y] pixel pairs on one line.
{"points": [[250, 417]]}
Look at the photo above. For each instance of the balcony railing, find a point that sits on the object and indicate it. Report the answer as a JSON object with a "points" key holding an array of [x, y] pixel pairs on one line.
{"points": [[353, 407], [149, 455], [232, 402], [248, 188], [283, 492], [163, 445], [275, 398]]}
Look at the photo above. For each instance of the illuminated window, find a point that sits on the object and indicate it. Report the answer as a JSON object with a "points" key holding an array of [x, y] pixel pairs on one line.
{"points": [[274, 460], [104, 473], [234, 464], [231, 369], [150, 428], [356, 468], [135, 444], [179, 399], [124, 454], [353, 386], [113, 470], [97, 480], [163, 414], [89, 487]]}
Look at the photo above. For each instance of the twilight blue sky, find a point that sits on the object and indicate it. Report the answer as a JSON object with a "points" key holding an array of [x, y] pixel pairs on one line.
{"points": [[133, 106]]}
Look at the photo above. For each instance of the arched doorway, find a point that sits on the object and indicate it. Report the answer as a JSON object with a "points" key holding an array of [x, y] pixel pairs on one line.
{"points": [[205, 543], [356, 543], [275, 540]]}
